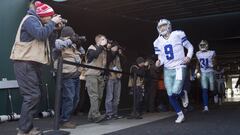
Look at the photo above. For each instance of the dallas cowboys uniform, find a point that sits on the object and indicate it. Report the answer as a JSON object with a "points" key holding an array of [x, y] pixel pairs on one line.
{"points": [[205, 59], [171, 54]]}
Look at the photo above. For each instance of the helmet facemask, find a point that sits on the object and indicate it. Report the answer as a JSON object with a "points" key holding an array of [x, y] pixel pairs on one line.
{"points": [[164, 27], [203, 46]]}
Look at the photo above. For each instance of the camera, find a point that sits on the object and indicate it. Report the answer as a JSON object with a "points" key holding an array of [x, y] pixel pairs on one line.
{"points": [[115, 43], [82, 38], [63, 22], [78, 40]]}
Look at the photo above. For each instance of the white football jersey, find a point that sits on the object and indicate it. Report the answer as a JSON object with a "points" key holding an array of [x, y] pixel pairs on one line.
{"points": [[170, 51], [205, 59]]}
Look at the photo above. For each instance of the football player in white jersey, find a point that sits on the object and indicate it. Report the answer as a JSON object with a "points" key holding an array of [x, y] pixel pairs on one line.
{"points": [[219, 75], [169, 46], [206, 59]]}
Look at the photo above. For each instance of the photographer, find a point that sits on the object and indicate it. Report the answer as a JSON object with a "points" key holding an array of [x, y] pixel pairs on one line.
{"points": [[96, 56], [151, 80], [30, 51], [138, 69], [113, 83], [69, 47]]}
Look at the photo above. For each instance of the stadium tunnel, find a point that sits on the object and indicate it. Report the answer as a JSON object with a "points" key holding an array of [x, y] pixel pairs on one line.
{"points": [[133, 24]]}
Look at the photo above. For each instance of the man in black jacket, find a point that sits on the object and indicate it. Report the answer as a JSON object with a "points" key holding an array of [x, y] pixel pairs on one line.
{"points": [[136, 85]]}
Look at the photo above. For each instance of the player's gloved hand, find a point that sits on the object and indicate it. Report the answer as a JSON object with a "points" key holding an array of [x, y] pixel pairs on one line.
{"points": [[186, 60], [158, 63]]}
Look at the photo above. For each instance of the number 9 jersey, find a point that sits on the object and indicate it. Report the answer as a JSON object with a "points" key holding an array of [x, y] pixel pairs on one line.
{"points": [[205, 59], [171, 51]]}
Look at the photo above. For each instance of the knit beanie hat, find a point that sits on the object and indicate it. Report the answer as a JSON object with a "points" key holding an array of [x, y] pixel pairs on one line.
{"points": [[140, 60], [43, 10], [67, 31]]}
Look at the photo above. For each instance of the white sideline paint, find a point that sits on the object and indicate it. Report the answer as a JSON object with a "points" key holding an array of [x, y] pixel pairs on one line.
{"points": [[115, 125]]}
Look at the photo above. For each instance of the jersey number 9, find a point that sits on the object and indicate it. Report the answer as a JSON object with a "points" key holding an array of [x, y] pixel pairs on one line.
{"points": [[169, 52]]}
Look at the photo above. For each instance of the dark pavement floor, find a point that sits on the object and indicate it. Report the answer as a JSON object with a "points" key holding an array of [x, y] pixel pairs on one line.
{"points": [[223, 120]]}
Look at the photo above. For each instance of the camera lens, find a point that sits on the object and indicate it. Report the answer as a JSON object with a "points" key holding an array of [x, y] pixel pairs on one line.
{"points": [[64, 20]]}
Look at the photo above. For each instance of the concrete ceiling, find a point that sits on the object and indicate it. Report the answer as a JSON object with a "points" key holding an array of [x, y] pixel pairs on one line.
{"points": [[152, 10], [133, 22]]}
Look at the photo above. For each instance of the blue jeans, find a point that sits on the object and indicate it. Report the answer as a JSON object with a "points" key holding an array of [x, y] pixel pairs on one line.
{"points": [[70, 97], [112, 96]]}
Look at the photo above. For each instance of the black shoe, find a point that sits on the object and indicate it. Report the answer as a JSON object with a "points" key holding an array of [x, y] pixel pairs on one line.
{"points": [[139, 117], [99, 119], [117, 116], [131, 117], [68, 125], [108, 117]]}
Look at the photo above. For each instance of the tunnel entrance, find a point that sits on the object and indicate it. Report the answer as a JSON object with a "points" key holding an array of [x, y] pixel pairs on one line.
{"points": [[232, 93]]}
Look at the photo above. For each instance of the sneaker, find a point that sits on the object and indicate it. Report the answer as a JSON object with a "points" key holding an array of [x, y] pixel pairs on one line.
{"points": [[117, 116], [205, 109], [33, 131], [99, 119], [216, 99], [68, 125], [185, 100], [180, 118], [108, 117]]}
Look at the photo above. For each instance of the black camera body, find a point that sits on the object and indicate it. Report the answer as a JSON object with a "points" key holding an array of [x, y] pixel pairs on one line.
{"points": [[78, 40], [115, 43]]}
